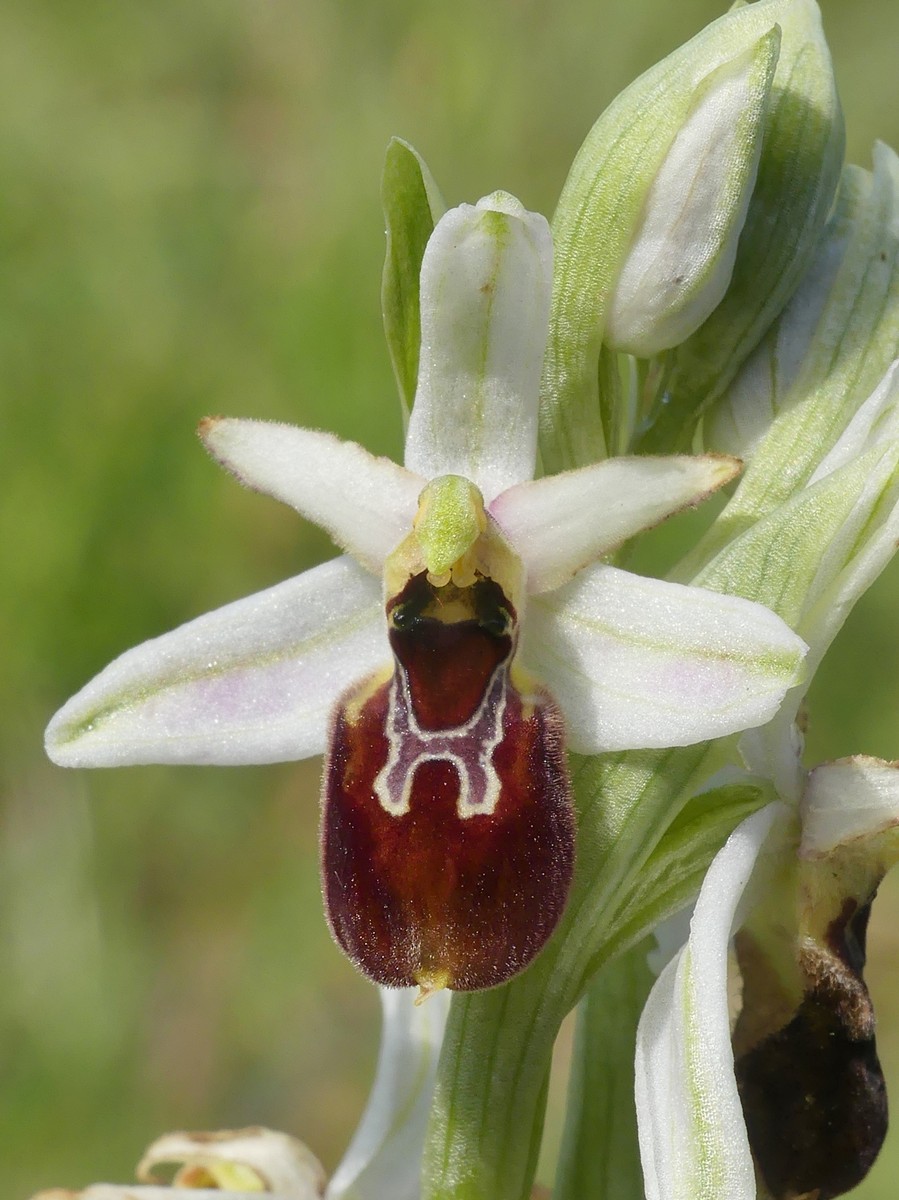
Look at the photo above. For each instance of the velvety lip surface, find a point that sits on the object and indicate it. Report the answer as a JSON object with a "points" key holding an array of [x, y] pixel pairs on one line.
{"points": [[459, 872]]}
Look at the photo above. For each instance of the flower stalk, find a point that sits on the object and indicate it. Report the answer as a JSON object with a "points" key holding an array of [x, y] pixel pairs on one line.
{"points": [[601, 1086]]}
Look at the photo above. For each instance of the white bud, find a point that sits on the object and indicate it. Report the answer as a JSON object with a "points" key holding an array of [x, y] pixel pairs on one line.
{"points": [[682, 255]]}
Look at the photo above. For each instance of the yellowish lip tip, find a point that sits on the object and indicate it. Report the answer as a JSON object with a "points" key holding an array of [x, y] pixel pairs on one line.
{"points": [[430, 982]]}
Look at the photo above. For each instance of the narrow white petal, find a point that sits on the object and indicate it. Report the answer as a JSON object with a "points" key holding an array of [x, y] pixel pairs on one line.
{"points": [[252, 682], [383, 1161], [846, 800], [365, 503], [693, 1140], [485, 289], [637, 663], [559, 524]]}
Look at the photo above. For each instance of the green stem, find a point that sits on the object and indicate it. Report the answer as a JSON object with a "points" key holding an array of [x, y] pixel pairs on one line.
{"points": [[489, 1103], [600, 1158]]}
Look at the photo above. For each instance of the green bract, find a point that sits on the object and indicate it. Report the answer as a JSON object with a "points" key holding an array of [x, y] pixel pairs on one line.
{"points": [[412, 204], [799, 171], [752, 93], [828, 352]]}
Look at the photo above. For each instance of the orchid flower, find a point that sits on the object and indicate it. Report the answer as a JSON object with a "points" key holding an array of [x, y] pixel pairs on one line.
{"points": [[793, 1092], [382, 1161], [240, 1164], [713, 276], [789, 1100], [468, 635]]}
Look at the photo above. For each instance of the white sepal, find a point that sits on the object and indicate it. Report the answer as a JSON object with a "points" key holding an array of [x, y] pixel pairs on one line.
{"points": [[485, 289], [847, 801], [693, 1141], [638, 662], [366, 504], [560, 523], [252, 682], [383, 1161]]}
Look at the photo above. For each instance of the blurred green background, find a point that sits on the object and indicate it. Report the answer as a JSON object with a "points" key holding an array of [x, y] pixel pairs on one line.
{"points": [[190, 224]]}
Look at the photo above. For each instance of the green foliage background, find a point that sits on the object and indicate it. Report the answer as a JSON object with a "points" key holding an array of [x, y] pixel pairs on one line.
{"points": [[190, 224]]}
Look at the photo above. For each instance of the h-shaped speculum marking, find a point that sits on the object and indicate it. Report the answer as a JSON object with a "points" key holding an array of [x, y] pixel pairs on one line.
{"points": [[469, 747]]}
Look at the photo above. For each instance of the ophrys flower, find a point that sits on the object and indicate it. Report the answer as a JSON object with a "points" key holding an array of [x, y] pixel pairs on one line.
{"points": [[436, 659]]}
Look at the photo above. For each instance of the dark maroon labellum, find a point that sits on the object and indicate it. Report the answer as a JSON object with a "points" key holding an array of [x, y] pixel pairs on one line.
{"points": [[448, 834], [813, 1093]]}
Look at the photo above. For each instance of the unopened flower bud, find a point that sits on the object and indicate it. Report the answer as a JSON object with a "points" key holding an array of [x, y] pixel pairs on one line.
{"points": [[798, 174], [682, 255], [648, 225]]}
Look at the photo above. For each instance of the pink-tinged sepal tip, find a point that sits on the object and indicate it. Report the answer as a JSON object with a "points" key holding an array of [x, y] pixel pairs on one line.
{"points": [[448, 829]]}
